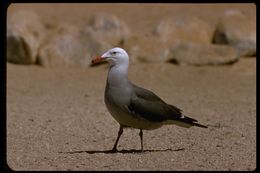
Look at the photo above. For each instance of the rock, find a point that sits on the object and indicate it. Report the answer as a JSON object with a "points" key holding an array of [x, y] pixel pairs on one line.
{"points": [[108, 28], [238, 30], [146, 49], [24, 35], [202, 54], [69, 46], [184, 29], [29, 41]]}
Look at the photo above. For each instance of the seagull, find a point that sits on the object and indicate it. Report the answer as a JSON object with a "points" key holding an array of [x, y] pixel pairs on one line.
{"points": [[133, 106]]}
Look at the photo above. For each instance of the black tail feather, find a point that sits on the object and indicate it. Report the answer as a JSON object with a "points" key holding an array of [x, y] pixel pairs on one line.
{"points": [[199, 125], [192, 122]]}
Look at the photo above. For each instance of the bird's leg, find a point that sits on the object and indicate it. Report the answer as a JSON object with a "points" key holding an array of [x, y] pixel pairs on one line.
{"points": [[118, 136], [141, 137]]}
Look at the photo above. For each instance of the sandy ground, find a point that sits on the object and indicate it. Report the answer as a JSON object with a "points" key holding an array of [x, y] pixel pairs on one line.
{"points": [[57, 119]]}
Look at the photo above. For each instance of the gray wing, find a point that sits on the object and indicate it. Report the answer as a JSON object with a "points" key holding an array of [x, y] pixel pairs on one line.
{"points": [[149, 106]]}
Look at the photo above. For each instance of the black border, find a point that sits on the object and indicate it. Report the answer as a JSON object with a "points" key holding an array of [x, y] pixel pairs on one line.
{"points": [[4, 8]]}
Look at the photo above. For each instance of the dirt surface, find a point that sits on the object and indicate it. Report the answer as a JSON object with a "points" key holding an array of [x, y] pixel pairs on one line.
{"points": [[57, 119]]}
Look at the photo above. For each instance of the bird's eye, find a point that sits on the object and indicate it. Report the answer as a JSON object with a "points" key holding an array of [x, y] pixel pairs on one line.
{"points": [[113, 53]]}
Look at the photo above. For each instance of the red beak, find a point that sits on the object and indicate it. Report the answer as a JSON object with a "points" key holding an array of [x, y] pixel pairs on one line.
{"points": [[97, 60]]}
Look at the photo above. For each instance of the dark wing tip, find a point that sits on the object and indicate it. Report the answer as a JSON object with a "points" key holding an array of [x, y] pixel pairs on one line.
{"points": [[191, 121], [200, 125]]}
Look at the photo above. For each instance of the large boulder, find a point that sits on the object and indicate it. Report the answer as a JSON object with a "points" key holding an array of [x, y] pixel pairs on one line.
{"points": [[146, 49], [238, 30], [202, 54], [179, 29], [108, 28], [24, 36], [68, 46]]}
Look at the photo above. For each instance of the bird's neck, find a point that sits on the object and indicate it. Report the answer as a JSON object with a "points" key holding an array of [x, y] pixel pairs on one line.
{"points": [[118, 74]]}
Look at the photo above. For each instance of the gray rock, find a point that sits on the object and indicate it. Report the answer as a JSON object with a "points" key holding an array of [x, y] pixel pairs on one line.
{"points": [[238, 30], [179, 29], [108, 28], [24, 35], [70, 46], [202, 54]]}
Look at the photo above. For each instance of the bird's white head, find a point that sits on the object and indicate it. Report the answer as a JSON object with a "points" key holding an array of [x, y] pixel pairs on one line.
{"points": [[115, 56]]}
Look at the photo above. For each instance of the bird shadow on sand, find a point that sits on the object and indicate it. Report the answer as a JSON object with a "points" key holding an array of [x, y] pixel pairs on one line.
{"points": [[120, 151]]}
